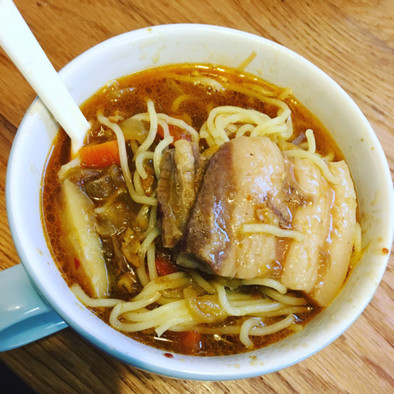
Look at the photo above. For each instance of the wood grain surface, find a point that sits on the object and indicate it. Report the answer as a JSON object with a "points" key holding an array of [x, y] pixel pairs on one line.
{"points": [[352, 41]]}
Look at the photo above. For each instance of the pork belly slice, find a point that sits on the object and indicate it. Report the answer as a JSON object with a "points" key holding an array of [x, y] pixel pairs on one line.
{"points": [[244, 174], [340, 246], [181, 171], [318, 265], [249, 181], [302, 262]]}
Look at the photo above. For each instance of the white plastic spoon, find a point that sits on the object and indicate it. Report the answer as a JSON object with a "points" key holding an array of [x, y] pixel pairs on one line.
{"points": [[21, 46]]}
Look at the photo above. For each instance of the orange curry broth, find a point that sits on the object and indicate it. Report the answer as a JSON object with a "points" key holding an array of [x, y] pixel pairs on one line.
{"points": [[126, 97]]}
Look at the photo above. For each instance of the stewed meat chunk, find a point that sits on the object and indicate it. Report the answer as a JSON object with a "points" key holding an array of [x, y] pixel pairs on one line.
{"points": [[181, 171]]}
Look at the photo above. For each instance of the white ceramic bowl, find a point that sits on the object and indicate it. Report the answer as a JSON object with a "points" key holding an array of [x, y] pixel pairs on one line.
{"points": [[161, 45]]}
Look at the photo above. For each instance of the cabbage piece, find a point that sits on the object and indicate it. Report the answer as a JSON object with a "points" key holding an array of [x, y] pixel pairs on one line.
{"points": [[87, 260], [134, 129]]}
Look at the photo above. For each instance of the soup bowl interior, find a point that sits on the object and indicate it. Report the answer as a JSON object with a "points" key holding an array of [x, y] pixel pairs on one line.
{"points": [[171, 44]]}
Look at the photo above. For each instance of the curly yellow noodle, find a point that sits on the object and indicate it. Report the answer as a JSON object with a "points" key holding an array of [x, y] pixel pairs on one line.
{"points": [[151, 261], [267, 283], [139, 162], [221, 119], [172, 323], [197, 80], [93, 302], [142, 218], [282, 298], [175, 280], [284, 311], [260, 93], [176, 308], [164, 126], [245, 328], [152, 128], [245, 63], [137, 184], [329, 156], [202, 282], [182, 125], [316, 159], [273, 230], [142, 276], [255, 331], [245, 308], [311, 141], [147, 242], [179, 100], [152, 220], [272, 328], [285, 93], [124, 162], [161, 146], [125, 307], [244, 129]]}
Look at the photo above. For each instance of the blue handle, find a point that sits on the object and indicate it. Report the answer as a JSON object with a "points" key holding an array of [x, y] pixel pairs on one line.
{"points": [[24, 316]]}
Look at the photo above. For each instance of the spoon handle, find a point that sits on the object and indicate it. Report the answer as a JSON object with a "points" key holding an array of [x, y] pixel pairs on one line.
{"points": [[21, 46], [25, 316]]}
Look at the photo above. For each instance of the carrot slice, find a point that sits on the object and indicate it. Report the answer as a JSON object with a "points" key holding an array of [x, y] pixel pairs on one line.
{"points": [[100, 155], [190, 340], [165, 266], [175, 132]]}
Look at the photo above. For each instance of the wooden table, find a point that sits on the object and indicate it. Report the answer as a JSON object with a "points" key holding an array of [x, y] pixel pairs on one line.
{"points": [[352, 41]]}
